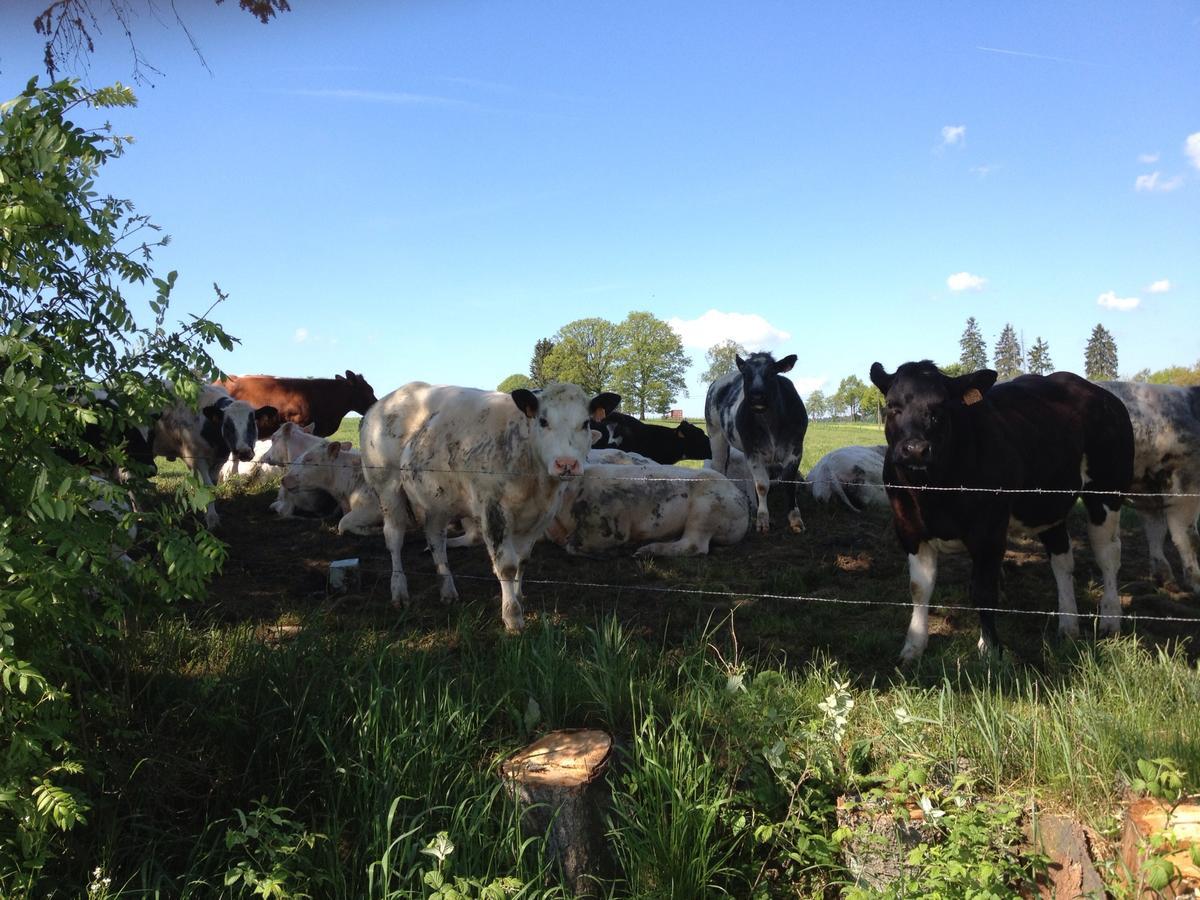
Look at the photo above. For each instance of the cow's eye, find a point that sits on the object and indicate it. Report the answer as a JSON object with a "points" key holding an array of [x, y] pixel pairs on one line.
{"points": [[542, 421], [935, 418], [587, 423]]}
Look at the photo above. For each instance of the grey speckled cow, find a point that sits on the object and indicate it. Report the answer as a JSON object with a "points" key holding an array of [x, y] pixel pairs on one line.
{"points": [[680, 510], [435, 453], [1166, 459]]}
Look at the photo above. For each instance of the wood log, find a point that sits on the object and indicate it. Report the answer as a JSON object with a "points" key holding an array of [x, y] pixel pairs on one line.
{"points": [[557, 779], [1071, 850], [1148, 817]]}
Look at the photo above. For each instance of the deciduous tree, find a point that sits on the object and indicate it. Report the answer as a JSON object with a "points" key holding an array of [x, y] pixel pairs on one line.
{"points": [[721, 359], [817, 404], [849, 395], [586, 352], [514, 382], [652, 363]]}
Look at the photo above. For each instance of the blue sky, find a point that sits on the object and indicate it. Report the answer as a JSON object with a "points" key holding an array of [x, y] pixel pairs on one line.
{"points": [[422, 190]]}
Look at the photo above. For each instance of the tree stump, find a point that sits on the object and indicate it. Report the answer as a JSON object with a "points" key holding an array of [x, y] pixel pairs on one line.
{"points": [[1071, 850], [876, 853], [557, 780], [1148, 817]]}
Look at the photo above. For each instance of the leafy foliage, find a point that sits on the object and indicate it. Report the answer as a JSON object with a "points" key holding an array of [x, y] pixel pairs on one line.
{"points": [[1100, 355], [537, 362], [514, 382], [586, 352], [818, 405], [721, 359], [1009, 358], [652, 364], [973, 353], [72, 566]]}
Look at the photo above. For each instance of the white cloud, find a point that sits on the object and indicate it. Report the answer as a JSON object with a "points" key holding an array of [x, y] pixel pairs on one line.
{"points": [[965, 281], [1192, 148], [806, 384], [750, 330], [300, 336], [1151, 182], [1110, 300], [1148, 158], [953, 134], [1159, 287]]}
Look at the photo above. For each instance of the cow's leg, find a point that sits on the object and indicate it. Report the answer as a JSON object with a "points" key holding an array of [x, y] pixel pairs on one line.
{"points": [[791, 475], [1154, 523], [762, 484], [1105, 538], [1062, 563], [922, 575], [201, 468], [1181, 519], [395, 524], [720, 447], [360, 520], [435, 534], [507, 566], [985, 595]]}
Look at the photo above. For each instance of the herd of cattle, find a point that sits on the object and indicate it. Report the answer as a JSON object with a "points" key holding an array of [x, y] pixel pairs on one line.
{"points": [[966, 460]]}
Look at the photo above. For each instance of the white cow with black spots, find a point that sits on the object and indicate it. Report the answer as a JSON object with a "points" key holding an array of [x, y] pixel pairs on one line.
{"points": [[436, 453]]}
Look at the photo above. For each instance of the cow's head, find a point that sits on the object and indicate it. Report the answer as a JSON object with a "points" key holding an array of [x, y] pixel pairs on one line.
{"points": [[236, 423], [760, 386], [921, 407], [316, 467], [694, 441], [362, 395], [560, 427]]}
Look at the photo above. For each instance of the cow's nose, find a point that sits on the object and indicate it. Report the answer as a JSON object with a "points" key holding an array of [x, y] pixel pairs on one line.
{"points": [[567, 465], [245, 455], [915, 450]]}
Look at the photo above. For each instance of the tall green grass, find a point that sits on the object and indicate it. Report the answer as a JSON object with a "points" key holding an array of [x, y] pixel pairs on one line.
{"points": [[334, 759]]}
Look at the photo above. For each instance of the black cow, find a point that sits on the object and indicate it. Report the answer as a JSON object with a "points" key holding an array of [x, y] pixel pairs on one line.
{"points": [[658, 442], [107, 432], [1055, 432], [758, 411]]}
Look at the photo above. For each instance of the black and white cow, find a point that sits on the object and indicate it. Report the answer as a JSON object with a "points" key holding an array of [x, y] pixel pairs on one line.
{"points": [[757, 410], [439, 453], [205, 435], [853, 475], [109, 430], [1166, 461], [657, 442], [1054, 433]]}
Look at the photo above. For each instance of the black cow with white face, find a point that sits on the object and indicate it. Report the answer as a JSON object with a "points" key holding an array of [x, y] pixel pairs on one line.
{"points": [[758, 411], [658, 442], [1055, 432]]}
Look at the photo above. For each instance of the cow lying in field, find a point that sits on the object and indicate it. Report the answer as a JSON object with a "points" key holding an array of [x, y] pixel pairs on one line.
{"points": [[287, 445], [853, 475], [757, 411], [682, 511], [1166, 446], [338, 472], [657, 442], [437, 453], [1054, 433], [206, 435]]}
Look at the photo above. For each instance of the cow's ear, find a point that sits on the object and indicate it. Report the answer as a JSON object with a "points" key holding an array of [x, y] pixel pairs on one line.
{"points": [[785, 364], [741, 363], [309, 428], [266, 418], [603, 405], [973, 386], [212, 413], [346, 445], [881, 379], [596, 435], [527, 402], [333, 448]]}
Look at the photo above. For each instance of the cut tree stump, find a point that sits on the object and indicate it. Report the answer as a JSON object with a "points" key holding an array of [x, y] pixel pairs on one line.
{"points": [[877, 852], [557, 779], [1071, 850], [1148, 817]]}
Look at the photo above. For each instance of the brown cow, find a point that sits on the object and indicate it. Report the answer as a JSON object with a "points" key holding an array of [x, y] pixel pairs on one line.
{"points": [[319, 401]]}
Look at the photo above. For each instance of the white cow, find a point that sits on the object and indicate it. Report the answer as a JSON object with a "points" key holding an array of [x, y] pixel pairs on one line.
{"points": [[234, 466], [337, 472], [205, 435], [681, 510], [853, 475], [288, 443], [503, 460], [1166, 460], [611, 456]]}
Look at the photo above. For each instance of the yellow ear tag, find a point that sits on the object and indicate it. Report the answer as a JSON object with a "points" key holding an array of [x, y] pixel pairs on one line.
{"points": [[972, 397]]}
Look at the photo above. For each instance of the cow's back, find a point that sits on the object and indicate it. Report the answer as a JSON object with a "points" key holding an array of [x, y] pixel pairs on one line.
{"points": [[1166, 434]]}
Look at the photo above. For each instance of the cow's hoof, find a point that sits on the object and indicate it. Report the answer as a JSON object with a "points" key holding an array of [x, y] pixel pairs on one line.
{"points": [[515, 627], [796, 524], [449, 595], [910, 655], [763, 527], [1067, 633], [1109, 627]]}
